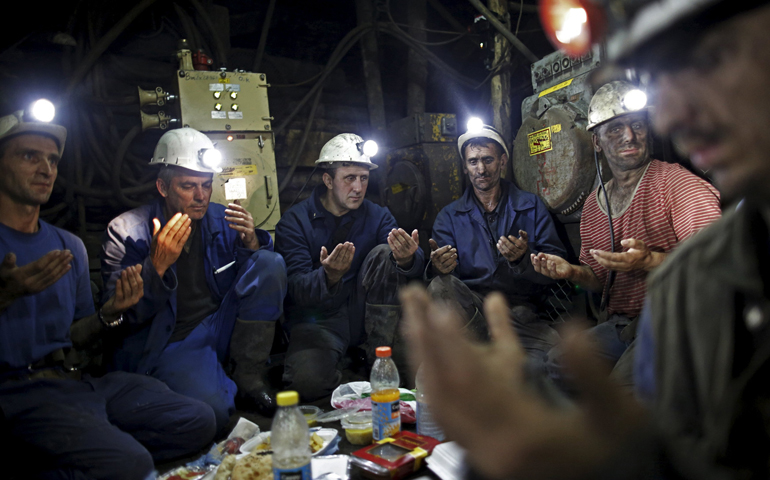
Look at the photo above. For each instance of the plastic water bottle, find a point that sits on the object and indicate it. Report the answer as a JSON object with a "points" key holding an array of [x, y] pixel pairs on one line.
{"points": [[290, 439], [386, 408], [426, 423]]}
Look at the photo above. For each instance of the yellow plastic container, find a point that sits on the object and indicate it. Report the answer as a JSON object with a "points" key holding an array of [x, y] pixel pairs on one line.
{"points": [[311, 414], [358, 428]]}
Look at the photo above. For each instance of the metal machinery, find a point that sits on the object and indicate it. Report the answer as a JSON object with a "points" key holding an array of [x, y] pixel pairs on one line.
{"points": [[422, 170], [231, 108], [553, 153], [554, 157]]}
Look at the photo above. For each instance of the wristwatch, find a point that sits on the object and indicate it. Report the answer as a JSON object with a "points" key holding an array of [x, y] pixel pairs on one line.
{"points": [[112, 324]]}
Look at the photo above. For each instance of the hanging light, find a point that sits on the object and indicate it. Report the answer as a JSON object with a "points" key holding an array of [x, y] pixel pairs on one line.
{"points": [[572, 25]]}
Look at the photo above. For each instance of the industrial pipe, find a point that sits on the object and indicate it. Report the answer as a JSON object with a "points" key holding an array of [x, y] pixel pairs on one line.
{"points": [[504, 31]]}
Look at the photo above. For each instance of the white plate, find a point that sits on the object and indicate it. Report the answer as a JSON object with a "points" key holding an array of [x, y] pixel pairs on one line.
{"points": [[327, 434]]}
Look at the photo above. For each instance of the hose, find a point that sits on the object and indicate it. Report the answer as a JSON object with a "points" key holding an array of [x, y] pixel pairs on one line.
{"points": [[504, 31], [116, 167], [218, 44], [263, 37], [102, 45], [301, 147], [342, 48]]}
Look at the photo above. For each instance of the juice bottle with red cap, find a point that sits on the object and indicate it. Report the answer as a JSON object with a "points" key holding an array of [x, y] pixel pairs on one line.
{"points": [[386, 410]]}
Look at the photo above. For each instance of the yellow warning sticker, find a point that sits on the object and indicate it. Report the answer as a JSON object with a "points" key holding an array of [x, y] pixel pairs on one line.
{"points": [[238, 171], [224, 80], [554, 88], [540, 141], [399, 187], [556, 128]]}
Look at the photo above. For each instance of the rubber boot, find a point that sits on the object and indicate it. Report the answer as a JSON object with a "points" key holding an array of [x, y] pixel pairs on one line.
{"points": [[382, 323], [249, 350]]}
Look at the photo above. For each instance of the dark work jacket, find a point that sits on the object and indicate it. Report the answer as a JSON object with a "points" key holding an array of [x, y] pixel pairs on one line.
{"points": [[480, 265], [710, 390], [301, 233], [150, 322]]}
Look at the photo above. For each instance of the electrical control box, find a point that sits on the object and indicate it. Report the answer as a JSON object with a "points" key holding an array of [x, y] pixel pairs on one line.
{"points": [[223, 101], [232, 109]]}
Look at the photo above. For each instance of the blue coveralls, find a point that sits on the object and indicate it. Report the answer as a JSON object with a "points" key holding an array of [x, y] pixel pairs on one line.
{"points": [[251, 290], [89, 428], [323, 322], [483, 269]]}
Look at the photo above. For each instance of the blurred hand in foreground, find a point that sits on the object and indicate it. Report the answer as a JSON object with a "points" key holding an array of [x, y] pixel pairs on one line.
{"points": [[481, 400]]}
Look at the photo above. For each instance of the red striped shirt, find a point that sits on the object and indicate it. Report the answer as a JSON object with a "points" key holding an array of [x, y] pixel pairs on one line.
{"points": [[669, 205]]}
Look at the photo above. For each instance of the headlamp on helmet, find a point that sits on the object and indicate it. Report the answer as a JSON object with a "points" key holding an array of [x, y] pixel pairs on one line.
{"points": [[211, 158], [477, 129], [474, 125], [347, 148], [41, 111], [370, 148]]}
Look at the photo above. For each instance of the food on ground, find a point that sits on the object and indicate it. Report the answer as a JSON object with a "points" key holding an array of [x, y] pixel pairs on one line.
{"points": [[316, 444], [253, 467], [233, 445], [225, 468]]}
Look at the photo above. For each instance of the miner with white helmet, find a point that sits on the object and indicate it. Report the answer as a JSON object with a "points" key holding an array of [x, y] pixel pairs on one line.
{"points": [[346, 258], [72, 425], [482, 241], [210, 276], [702, 350], [654, 206]]}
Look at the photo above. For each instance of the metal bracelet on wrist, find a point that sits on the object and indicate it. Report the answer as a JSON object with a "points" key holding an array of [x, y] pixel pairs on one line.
{"points": [[112, 324]]}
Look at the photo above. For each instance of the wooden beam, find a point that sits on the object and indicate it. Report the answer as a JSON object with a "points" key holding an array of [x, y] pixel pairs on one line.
{"points": [[501, 83]]}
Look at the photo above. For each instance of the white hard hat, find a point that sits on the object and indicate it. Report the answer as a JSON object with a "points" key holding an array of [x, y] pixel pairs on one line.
{"points": [[188, 148], [485, 131], [348, 148], [14, 124], [613, 100]]}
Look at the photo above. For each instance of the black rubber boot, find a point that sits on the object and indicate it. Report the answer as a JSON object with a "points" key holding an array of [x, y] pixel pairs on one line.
{"points": [[249, 350], [382, 323]]}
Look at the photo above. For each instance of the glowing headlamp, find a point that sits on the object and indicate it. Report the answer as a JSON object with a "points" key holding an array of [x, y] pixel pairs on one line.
{"points": [[474, 125], [635, 100], [42, 111], [572, 25], [370, 148], [211, 158]]}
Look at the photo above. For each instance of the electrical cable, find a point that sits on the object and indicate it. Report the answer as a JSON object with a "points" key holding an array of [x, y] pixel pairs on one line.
{"points": [[116, 167], [303, 187], [518, 22], [285, 85], [430, 56], [342, 48], [504, 31], [421, 42], [205, 18], [431, 30], [303, 140], [611, 273], [102, 45], [263, 37]]}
